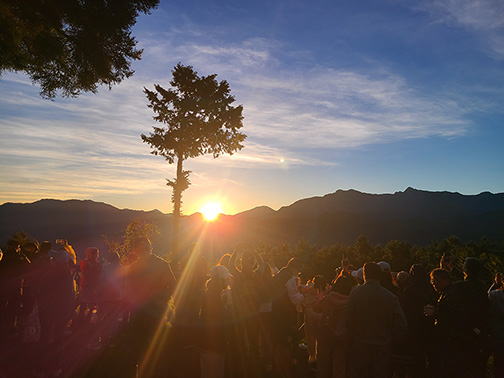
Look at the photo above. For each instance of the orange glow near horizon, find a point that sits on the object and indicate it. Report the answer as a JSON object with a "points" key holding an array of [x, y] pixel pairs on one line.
{"points": [[211, 211]]}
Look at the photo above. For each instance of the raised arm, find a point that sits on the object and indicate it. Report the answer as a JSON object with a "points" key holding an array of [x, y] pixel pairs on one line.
{"points": [[70, 251], [232, 262]]}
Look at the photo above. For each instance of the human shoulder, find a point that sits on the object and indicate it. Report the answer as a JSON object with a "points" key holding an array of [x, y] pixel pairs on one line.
{"points": [[373, 289], [460, 284], [459, 288], [358, 290], [473, 288], [387, 293], [496, 295]]}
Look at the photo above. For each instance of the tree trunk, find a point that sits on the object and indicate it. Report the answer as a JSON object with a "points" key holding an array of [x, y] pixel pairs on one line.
{"points": [[177, 204]]}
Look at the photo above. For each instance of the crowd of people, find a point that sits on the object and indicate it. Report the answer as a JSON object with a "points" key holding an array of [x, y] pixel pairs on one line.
{"points": [[63, 314]]}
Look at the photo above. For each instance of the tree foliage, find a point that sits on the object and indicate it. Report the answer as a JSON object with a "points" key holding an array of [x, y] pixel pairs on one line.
{"points": [[197, 117], [70, 46], [19, 238], [133, 231], [400, 254]]}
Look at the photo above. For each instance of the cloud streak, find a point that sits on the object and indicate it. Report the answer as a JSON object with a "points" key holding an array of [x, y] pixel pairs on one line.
{"points": [[91, 145], [318, 107], [485, 18]]}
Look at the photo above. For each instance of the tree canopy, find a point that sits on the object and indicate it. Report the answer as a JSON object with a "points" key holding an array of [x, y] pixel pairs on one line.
{"points": [[197, 117], [71, 46]]}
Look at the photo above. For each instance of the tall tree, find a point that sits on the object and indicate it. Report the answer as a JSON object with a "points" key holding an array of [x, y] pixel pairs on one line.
{"points": [[70, 46], [197, 117]]}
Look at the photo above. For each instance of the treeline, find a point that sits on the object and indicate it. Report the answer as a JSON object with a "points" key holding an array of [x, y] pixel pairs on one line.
{"points": [[325, 259], [400, 254]]}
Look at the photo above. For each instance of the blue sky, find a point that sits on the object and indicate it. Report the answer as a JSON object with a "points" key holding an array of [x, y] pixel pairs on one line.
{"points": [[371, 95]]}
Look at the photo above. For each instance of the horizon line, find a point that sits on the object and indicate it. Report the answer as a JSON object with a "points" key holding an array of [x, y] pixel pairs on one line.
{"points": [[255, 207]]}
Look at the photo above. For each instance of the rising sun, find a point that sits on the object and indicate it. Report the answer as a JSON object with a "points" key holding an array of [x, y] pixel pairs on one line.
{"points": [[211, 211]]}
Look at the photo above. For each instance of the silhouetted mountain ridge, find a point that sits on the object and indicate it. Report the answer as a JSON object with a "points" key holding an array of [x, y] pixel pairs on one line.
{"points": [[78, 220], [411, 202], [417, 216], [256, 212]]}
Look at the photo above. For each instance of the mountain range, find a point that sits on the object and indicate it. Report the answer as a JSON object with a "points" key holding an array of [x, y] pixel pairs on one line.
{"points": [[412, 215]]}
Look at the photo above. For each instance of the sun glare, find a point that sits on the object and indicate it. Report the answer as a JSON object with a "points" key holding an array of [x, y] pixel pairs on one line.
{"points": [[211, 211]]}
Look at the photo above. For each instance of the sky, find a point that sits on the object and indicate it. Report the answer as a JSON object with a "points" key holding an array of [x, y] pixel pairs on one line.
{"points": [[376, 96]]}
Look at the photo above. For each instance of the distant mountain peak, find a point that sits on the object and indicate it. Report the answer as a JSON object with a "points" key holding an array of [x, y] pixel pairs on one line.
{"points": [[412, 215], [257, 212], [71, 203], [76, 203], [345, 191]]}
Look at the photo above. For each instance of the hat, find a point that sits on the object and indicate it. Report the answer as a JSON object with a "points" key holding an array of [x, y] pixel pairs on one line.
{"points": [[385, 266], [357, 274], [220, 271]]}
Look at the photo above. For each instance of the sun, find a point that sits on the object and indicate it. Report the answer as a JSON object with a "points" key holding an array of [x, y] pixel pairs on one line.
{"points": [[211, 211]]}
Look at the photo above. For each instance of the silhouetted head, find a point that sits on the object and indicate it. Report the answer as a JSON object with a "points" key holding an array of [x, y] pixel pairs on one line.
{"points": [[220, 276], [343, 284], [499, 280], [92, 254], [418, 273], [319, 282], [224, 260], [472, 268], [440, 279], [247, 262], [13, 247], [384, 266], [372, 272], [60, 244], [45, 247], [30, 248], [447, 262], [402, 279], [141, 246]]}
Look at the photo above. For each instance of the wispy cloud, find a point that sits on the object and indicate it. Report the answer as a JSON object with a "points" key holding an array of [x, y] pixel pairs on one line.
{"points": [[71, 166], [318, 107], [90, 146], [477, 14], [483, 17], [329, 108]]}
